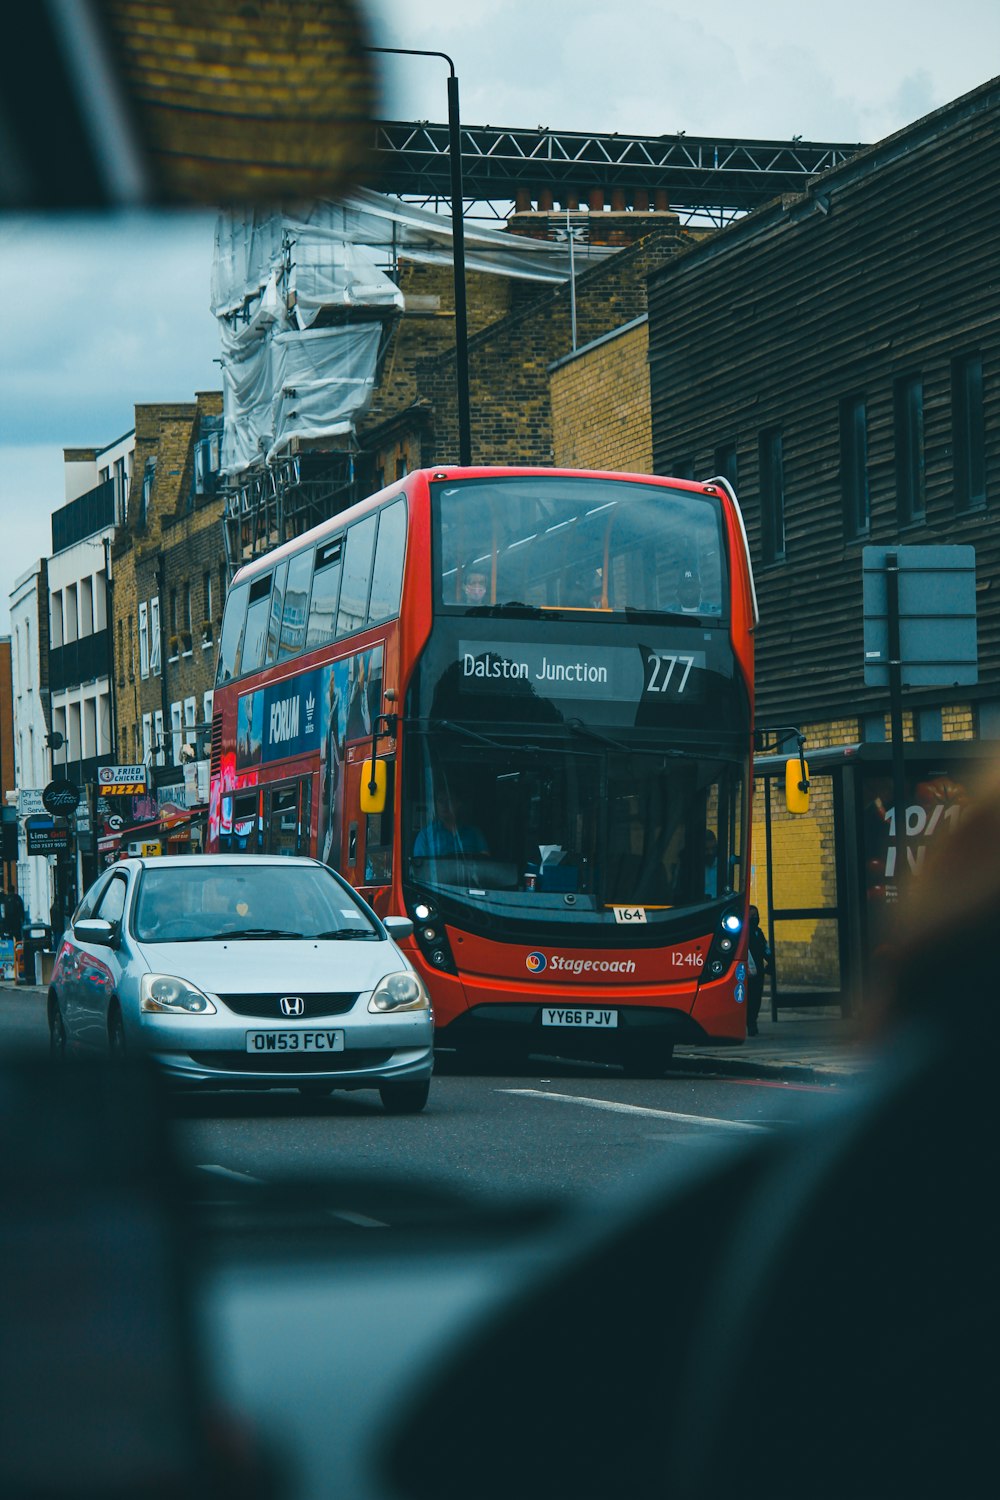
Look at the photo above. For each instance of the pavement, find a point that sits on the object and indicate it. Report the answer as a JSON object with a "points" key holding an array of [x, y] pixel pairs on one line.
{"points": [[812, 1045]]}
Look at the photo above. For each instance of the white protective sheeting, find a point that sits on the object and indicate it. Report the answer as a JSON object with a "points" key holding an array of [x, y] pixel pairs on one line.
{"points": [[274, 276]]}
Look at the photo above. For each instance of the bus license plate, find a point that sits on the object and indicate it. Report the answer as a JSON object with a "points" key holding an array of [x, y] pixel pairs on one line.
{"points": [[558, 1016], [260, 1042]]}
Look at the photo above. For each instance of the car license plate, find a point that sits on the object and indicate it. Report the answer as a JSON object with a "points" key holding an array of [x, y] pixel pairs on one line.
{"points": [[573, 1016], [294, 1041]]}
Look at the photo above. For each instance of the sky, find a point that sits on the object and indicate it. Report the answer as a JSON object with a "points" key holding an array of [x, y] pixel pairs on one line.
{"points": [[97, 315]]}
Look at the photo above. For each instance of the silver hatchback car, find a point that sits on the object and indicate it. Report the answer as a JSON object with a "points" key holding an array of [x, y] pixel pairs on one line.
{"points": [[244, 972]]}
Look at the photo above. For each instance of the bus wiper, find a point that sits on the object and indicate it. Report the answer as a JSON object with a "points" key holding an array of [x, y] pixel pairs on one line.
{"points": [[605, 739], [469, 734]]}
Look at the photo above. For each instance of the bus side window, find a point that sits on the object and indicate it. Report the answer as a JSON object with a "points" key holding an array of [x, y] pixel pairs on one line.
{"points": [[296, 610], [274, 617], [322, 627], [357, 576], [387, 574], [255, 634], [232, 633]]}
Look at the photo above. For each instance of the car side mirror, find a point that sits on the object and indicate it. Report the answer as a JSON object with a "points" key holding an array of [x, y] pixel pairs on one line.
{"points": [[96, 930], [398, 927]]}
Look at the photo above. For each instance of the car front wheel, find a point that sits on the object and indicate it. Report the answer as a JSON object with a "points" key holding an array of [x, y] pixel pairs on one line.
{"points": [[57, 1035], [116, 1034], [404, 1098]]}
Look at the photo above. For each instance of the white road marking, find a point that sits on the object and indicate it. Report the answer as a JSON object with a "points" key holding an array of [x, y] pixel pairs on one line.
{"points": [[361, 1221], [633, 1109], [227, 1172]]}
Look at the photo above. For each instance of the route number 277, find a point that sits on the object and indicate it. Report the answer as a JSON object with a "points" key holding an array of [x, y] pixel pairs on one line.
{"points": [[664, 672]]}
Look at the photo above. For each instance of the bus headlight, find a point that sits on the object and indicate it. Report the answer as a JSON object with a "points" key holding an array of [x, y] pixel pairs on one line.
{"points": [[397, 992], [164, 994]]}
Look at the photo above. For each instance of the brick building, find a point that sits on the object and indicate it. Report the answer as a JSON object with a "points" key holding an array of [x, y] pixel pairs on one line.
{"points": [[837, 355], [169, 582], [517, 332]]}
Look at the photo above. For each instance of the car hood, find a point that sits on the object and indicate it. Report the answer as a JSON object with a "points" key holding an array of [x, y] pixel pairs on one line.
{"points": [[226, 968]]}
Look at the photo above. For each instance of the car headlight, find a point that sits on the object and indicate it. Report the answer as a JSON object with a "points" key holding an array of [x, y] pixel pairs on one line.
{"points": [[399, 992], [163, 994]]}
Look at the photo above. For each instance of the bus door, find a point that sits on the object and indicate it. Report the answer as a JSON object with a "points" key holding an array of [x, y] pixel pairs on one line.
{"points": [[287, 806], [368, 837]]}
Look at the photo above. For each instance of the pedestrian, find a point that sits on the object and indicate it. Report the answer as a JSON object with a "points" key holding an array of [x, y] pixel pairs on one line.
{"points": [[759, 963]]}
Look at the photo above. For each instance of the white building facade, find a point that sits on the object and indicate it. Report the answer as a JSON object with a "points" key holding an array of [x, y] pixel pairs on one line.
{"points": [[80, 690], [29, 604]]}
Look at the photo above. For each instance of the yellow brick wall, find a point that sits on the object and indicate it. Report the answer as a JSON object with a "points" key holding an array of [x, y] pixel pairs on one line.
{"points": [[600, 407], [188, 538]]}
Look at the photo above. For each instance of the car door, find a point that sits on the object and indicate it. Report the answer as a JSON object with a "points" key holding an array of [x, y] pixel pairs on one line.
{"points": [[99, 969]]}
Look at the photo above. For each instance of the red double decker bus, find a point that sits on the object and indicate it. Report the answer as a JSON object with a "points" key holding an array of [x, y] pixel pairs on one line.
{"points": [[515, 705]]}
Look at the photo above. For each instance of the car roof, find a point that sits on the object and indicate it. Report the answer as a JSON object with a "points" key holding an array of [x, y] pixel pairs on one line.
{"points": [[205, 861]]}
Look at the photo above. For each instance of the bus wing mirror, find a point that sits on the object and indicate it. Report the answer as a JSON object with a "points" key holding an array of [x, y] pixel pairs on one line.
{"points": [[797, 785], [373, 785]]}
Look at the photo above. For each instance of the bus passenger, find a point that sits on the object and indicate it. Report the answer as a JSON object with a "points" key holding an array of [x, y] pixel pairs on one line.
{"points": [[475, 585]]}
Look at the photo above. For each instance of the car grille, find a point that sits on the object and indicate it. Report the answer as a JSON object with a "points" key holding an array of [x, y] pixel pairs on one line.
{"points": [[313, 1062], [268, 1006]]}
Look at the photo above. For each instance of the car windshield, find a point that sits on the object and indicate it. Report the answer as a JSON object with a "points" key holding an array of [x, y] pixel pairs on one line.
{"points": [[191, 903]]}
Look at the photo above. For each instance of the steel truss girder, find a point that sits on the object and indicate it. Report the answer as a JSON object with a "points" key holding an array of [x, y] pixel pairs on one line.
{"points": [[694, 171]]}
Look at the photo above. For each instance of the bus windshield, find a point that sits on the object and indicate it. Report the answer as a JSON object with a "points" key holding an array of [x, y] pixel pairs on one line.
{"points": [[557, 542], [606, 824]]}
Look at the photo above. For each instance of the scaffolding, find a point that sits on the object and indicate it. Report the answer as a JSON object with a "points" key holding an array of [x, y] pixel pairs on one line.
{"points": [[306, 304]]}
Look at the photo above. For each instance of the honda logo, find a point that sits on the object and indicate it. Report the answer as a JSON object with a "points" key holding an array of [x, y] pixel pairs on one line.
{"points": [[292, 1005]]}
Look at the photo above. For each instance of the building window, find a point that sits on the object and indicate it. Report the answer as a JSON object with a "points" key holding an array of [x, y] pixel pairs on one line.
{"points": [[772, 496], [207, 615], [988, 719], [154, 636], [908, 394], [147, 738], [854, 466], [725, 463], [929, 724], [175, 733], [148, 479], [159, 738], [190, 721], [969, 439], [121, 492], [144, 639]]}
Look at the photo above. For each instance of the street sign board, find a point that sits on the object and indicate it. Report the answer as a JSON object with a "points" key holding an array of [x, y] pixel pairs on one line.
{"points": [[121, 781], [43, 837], [937, 616], [61, 796], [29, 802]]}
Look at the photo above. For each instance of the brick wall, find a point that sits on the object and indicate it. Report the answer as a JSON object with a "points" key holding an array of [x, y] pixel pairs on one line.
{"points": [[600, 406], [178, 542], [516, 335]]}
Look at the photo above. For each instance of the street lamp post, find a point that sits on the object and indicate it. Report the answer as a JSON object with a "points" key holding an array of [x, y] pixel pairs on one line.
{"points": [[458, 247]]}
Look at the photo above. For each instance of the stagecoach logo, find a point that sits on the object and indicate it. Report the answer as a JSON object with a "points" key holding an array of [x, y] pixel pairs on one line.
{"points": [[535, 963], [292, 1005]]}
